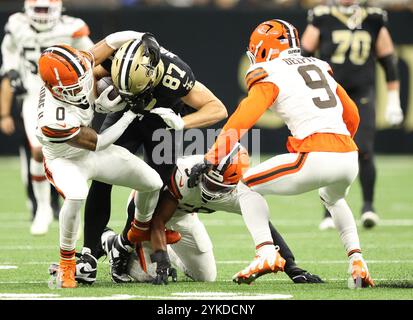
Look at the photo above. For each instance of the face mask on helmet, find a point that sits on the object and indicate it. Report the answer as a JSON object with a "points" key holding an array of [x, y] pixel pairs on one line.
{"points": [[68, 74], [219, 183], [43, 14], [131, 70], [271, 39]]}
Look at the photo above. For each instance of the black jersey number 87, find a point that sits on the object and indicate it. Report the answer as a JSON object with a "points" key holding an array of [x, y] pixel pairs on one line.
{"points": [[320, 83]]}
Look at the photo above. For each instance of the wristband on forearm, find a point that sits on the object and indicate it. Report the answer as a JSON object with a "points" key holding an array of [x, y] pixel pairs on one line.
{"points": [[111, 134], [389, 64]]}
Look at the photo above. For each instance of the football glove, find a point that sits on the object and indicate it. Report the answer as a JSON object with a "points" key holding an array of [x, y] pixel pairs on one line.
{"points": [[196, 172], [16, 82], [394, 112], [163, 268], [172, 120], [137, 103], [105, 105], [152, 48]]}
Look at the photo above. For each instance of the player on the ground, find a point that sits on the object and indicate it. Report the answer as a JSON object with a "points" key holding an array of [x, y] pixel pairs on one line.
{"points": [[351, 38], [170, 84], [177, 209], [27, 34], [322, 120], [74, 152]]}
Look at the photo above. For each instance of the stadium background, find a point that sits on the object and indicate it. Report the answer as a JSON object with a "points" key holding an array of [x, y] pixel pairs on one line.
{"points": [[212, 37]]}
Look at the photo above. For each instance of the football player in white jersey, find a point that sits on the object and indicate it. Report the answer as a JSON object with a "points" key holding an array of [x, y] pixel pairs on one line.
{"points": [[74, 152], [27, 34], [322, 120], [178, 210]]}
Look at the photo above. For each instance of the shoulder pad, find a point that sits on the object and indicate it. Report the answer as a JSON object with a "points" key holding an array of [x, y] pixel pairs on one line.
{"points": [[255, 74], [377, 12], [75, 26], [321, 11], [17, 20]]}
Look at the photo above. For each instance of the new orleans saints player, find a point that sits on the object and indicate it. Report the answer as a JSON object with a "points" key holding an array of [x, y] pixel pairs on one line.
{"points": [[167, 83], [351, 37]]}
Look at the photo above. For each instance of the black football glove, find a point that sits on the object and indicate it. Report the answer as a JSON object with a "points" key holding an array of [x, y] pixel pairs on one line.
{"points": [[196, 172], [16, 82], [137, 103], [163, 268], [152, 48]]}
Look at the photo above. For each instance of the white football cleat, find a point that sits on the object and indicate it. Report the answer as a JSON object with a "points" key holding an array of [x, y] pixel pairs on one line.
{"points": [[360, 276], [326, 224], [369, 219], [266, 262], [41, 222]]}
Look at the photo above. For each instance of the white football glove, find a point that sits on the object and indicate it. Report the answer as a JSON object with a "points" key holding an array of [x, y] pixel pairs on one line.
{"points": [[104, 105], [172, 120], [394, 112]]}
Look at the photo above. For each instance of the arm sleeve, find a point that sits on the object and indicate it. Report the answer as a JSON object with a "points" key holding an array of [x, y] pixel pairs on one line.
{"points": [[10, 57], [350, 112], [111, 134], [53, 134], [260, 97]]}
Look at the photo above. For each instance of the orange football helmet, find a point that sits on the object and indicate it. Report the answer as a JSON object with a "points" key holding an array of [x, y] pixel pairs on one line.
{"points": [[223, 179], [67, 73], [271, 38]]}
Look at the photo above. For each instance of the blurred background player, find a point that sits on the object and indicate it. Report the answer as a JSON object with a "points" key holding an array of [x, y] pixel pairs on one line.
{"points": [[351, 38], [27, 34], [323, 156], [167, 86]]}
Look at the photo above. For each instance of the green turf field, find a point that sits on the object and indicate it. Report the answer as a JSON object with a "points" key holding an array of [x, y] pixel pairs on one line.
{"points": [[388, 248]]}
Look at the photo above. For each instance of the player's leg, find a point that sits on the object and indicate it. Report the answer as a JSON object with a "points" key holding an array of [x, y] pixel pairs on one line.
{"points": [[70, 179], [333, 198], [134, 173], [98, 202], [41, 187], [194, 249], [364, 138]]}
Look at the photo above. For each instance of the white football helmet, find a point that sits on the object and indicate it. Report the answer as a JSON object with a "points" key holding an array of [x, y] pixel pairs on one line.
{"points": [[43, 14]]}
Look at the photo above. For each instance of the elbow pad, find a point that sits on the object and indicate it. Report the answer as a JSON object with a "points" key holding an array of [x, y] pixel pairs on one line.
{"points": [[389, 64]]}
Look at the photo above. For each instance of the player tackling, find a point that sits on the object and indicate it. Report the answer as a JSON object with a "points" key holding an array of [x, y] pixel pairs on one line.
{"points": [[322, 120], [74, 152]]}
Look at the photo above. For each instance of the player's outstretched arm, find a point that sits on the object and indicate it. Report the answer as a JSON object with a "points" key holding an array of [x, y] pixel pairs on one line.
{"points": [[310, 40], [388, 60], [6, 98], [209, 108]]}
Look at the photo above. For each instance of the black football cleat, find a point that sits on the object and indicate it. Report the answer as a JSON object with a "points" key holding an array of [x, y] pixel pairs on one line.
{"points": [[86, 267]]}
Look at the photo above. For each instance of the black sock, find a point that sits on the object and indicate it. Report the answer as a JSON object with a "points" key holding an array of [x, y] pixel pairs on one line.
{"points": [[284, 251], [367, 179], [97, 215], [131, 215]]}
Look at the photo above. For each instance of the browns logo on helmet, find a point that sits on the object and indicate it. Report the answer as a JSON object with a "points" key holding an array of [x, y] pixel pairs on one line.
{"points": [[217, 183], [270, 38], [67, 73]]}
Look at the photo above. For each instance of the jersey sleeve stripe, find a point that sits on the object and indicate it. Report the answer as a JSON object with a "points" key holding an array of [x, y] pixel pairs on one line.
{"points": [[59, 134], [173, 187], [82, 32], [255, 76]]}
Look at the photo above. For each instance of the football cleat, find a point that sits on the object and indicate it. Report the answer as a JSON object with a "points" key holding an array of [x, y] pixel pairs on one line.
{"points": [[118, 259], [369, 219], [360, 276], [136, 235], [86, 267], [326, 223], [65, 276], [271, 261], [41, 221], [298, 275]]}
